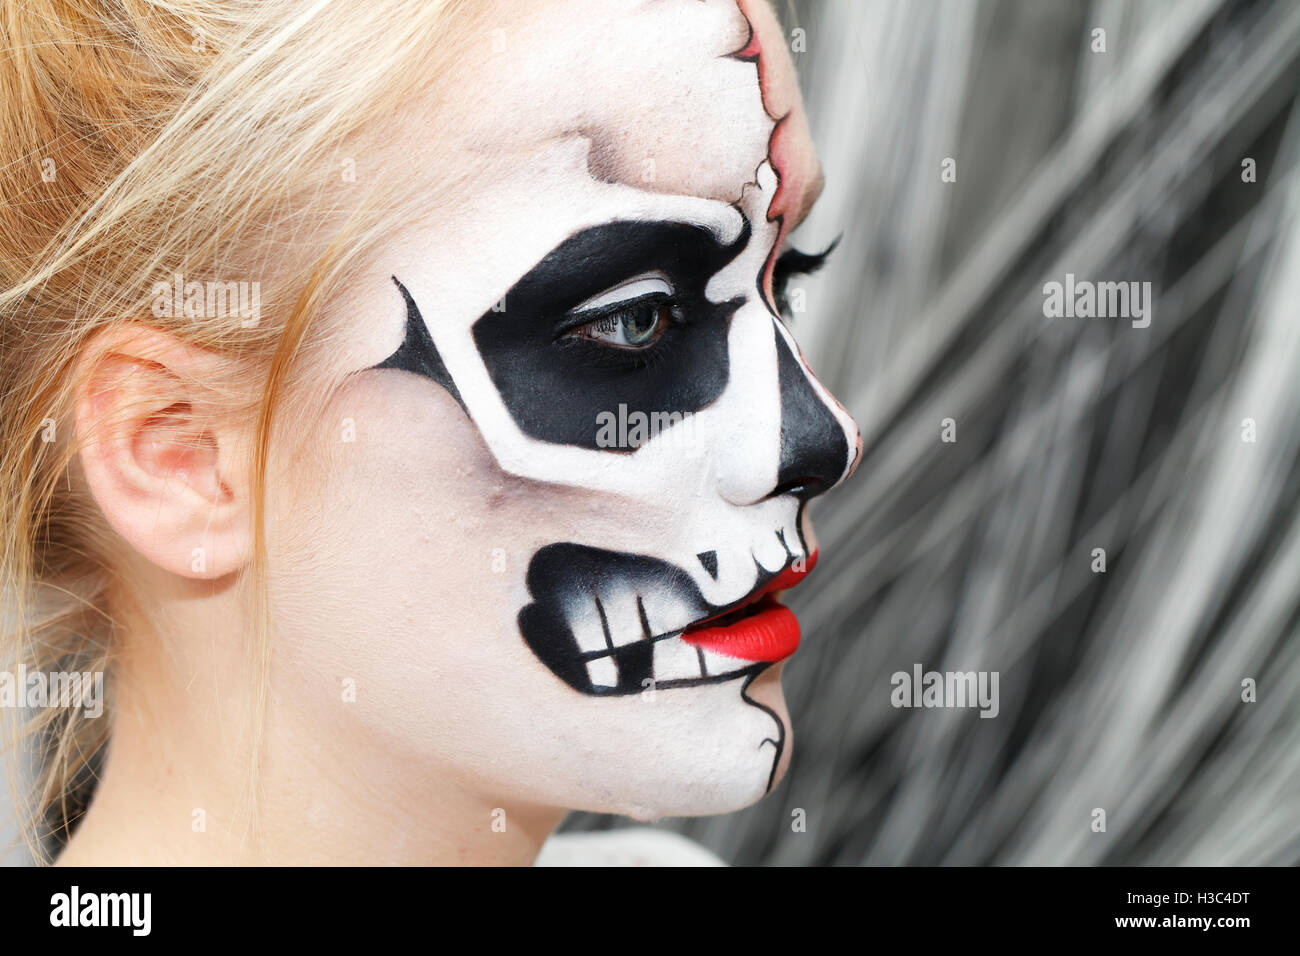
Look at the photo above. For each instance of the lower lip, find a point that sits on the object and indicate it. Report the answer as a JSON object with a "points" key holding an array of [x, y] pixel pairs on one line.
{"points": [[770, 633]]}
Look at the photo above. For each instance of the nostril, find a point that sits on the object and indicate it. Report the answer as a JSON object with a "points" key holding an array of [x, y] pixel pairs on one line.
{"points": [[804, 487]]}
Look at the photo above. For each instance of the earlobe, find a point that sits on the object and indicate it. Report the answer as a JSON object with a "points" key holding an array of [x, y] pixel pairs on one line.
{"points": [[168, 472]]}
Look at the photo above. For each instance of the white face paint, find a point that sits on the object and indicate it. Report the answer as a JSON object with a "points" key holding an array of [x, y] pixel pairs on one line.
{"points": [[644, 315], [718, 494]]}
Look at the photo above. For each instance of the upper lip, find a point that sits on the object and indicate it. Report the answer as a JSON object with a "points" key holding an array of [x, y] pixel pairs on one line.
{"points": [[783, 580]]}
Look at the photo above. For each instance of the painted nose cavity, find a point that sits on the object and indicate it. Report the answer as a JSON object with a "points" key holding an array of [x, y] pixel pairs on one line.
{"points": [[820, 443]]}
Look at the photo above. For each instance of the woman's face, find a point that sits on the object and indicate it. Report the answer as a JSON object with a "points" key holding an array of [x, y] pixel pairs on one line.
{"points": [[574, 428]]}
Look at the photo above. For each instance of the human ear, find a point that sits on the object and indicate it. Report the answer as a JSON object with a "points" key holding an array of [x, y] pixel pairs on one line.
{"points": [[169, 473]]}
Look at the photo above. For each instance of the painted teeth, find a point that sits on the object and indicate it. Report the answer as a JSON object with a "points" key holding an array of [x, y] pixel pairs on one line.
{"points": [[609, 622], [586, 621], [605, 629], [603, 672], [715, 663], [676, 660], [665, 612], [623, 616], [770, 553]]}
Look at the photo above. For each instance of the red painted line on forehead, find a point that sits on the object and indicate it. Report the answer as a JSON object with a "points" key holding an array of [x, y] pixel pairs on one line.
{"points": [[779, 147]]}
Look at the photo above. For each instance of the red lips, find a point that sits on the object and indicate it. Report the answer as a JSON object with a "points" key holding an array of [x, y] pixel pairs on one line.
{"points": [[759, 628]]}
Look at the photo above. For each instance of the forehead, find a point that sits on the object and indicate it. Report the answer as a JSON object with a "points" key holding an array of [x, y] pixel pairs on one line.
{"points": [[564, 114], [666, 92]]}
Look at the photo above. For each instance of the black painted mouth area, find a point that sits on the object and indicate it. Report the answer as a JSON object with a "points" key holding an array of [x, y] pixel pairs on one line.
{"points": [[561, 574]]}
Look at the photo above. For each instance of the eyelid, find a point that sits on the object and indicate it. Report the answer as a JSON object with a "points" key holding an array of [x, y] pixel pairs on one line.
{"points": [[648, 283]]}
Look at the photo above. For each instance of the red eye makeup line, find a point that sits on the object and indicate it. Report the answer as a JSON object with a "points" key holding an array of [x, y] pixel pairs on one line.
{"points": [[758, 628]]}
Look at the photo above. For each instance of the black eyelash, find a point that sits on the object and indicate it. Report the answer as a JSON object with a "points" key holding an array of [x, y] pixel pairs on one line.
{"points": [[793, 263], [578, 320]]}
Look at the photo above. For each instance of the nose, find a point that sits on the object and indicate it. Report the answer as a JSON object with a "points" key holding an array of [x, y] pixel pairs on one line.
{"points": [[820, 443]]}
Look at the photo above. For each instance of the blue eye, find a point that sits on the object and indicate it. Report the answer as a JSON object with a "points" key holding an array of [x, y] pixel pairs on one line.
{"points": [[633, 324]]}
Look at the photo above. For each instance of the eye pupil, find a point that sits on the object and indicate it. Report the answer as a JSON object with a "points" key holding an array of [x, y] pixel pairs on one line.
{"points": [[641, 322]]}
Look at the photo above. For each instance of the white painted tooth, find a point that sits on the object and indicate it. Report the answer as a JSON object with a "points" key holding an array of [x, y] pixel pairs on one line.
{"points": [[584, 621], [715, 663], [716, 590], [791, 535], [769, 552], [736, 578], [675, 660], [624, 620], [603, 672], [666, 611]]}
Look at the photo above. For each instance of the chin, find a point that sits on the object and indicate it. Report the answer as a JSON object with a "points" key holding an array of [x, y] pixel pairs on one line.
{"points": [[708, 750]]}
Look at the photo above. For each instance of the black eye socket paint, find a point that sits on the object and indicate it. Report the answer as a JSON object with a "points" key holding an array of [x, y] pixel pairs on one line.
{"points": [[599, 258], [555, 391], [417, 353]]}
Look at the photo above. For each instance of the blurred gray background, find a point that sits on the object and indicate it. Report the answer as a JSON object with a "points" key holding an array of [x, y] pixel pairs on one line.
{"points": [[1119, 690]]}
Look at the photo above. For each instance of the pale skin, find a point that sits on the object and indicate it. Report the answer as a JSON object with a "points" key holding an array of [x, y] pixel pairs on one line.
{"points": [[406, 716]]}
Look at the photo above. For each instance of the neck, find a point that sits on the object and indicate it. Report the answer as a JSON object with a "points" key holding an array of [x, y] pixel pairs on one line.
{"points": [[176, 787]]}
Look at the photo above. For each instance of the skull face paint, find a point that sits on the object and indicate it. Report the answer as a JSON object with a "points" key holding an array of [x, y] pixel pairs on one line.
{"points": [[650, 301]]}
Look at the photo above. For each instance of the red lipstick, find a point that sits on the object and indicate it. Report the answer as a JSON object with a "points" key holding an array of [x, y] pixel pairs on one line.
{"points": [[759, 628]]}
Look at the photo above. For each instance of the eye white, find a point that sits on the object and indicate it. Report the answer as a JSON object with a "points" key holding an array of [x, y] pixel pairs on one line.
{"points": [[631, 289]]}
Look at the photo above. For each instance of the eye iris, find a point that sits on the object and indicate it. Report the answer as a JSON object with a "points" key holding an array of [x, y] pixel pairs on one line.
{"points": [[634, 325], [640, 323]]}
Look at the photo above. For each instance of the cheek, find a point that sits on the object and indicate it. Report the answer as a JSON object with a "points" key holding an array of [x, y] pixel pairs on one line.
{"points": [[384, 570], [399, 520], [400, 573]]}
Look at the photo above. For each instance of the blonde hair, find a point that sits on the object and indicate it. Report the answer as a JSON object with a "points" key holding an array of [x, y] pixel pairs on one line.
{"points": [[198, 137]]}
